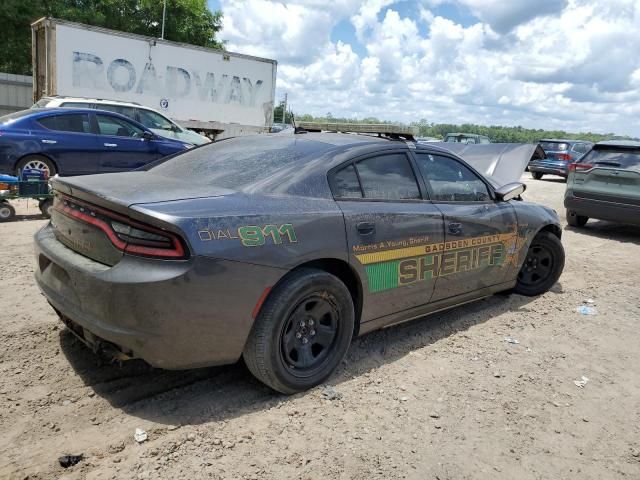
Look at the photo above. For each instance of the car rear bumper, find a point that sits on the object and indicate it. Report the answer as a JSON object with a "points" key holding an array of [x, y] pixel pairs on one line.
{"points": [[601, 210], [554, 168], [172, 314]]}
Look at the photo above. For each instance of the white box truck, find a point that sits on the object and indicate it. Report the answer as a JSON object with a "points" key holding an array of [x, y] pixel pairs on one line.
{"points": [[217, 92]]}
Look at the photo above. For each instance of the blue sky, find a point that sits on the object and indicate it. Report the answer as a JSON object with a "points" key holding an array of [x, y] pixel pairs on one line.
{"points": [[482, 61]]}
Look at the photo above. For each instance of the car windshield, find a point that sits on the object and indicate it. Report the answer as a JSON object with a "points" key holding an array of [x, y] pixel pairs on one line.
{"points": [[239, 162], [614, 158], [554, 146]]}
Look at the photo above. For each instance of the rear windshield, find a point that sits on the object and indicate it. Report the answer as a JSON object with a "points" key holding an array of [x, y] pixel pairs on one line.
{"points": [[554, 146], [238, 163], [613, 158], [43, 102], [12, 117]]}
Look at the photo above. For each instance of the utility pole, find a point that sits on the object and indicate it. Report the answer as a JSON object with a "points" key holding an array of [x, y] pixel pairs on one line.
{"points": [[164, 14], [284, 110]]}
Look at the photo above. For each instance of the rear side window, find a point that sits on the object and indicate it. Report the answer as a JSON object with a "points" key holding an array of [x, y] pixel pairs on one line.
{"points": [[75, 123], [388, 177], [76, 105], [450, 180], [117, 127], [580, 148], [346, 184], [122, 110]]}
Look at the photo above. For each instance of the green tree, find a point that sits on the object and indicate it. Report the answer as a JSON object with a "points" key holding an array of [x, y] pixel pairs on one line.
{"points": [[277, 114], [188, 21]]}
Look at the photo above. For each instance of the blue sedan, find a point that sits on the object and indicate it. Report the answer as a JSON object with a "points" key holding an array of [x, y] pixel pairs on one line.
{"points": [[78, 141]]}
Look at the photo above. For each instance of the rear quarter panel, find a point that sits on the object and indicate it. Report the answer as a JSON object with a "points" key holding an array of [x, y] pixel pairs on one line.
{"points": [[277, 231]]}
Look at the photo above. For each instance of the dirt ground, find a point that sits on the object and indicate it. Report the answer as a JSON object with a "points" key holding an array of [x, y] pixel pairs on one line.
{"points": [[444, 397]]}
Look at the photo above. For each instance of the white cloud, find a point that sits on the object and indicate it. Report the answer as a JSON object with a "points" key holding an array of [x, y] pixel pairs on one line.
{"points": [[569, 64]]}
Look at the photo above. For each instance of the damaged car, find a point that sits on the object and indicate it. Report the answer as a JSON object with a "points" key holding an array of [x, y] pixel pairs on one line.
{"points": [[282, 248]]}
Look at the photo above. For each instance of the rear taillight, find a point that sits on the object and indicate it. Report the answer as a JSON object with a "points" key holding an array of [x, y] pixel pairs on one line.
{"points": [[126, 235], [565, 157], [576, 167]]}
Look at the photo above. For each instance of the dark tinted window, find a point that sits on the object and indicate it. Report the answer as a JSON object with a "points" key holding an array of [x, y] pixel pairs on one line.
{"points": [[450, 180], [75, 122], [580, 148], [346, 183], [613, 158], [76, 105], [388, 177], [117, 127]]}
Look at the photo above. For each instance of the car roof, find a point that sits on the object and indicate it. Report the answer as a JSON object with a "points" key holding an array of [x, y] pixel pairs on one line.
{"points": [[97, 100], [631, 144]]}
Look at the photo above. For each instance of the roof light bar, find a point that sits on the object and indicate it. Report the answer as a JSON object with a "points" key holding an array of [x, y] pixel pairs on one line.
{"points": [[375, 128]]}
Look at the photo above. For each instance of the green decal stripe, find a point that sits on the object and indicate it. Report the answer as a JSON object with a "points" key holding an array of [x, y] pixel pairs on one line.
{"points": [[382, 276]]}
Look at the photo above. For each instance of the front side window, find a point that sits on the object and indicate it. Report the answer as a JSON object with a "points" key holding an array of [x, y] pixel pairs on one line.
{"points": [[117, 127], [74, 123], [154, 120], [450, 180], [388, 177]]}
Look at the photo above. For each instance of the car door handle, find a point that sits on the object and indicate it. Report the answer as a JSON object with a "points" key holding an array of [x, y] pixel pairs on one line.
{"points": [[49, 141], [455, 228], [366, 228], [110, 144]]}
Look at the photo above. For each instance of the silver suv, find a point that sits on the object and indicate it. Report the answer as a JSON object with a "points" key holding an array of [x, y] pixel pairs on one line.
{"points": [[150, 118]]}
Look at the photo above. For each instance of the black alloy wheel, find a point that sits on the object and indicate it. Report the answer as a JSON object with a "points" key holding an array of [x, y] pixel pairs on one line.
{"points": [[309, 334], [302, 332]]}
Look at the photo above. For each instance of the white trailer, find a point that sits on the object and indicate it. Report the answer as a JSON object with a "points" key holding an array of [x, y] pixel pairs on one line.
{"points": [[215, 91]]}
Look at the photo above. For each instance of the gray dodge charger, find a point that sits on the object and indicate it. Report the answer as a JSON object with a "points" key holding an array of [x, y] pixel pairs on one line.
{"points": [[281, 248]]}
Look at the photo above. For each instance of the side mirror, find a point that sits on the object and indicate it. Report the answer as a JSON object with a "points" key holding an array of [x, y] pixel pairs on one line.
{"points": [[510, 191], [148, 135]]}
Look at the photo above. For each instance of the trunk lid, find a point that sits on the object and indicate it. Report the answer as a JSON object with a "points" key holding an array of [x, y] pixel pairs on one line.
{"points": [[92, 213]]}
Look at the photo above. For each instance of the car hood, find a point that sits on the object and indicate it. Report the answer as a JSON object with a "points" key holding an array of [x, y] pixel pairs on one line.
{"points": [[503, 163]]}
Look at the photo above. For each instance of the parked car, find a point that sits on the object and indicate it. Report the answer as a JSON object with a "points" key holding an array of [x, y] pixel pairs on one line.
{"points": [[74, 141], [280, 248], [465, 138], [605, 184], [559, 155], [150, 118]]}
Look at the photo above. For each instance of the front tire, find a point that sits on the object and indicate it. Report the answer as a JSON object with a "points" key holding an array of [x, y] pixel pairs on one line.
{"points": [[536, 175], [302, 332], [36, 162], [575, 220], [542, 267]]}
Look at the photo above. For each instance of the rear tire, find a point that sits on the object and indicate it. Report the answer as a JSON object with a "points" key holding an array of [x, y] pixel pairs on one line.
{"points": [[542, 267], [38, 162], [7, 212], [536, 175], [576, 220], [302, 333]]}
